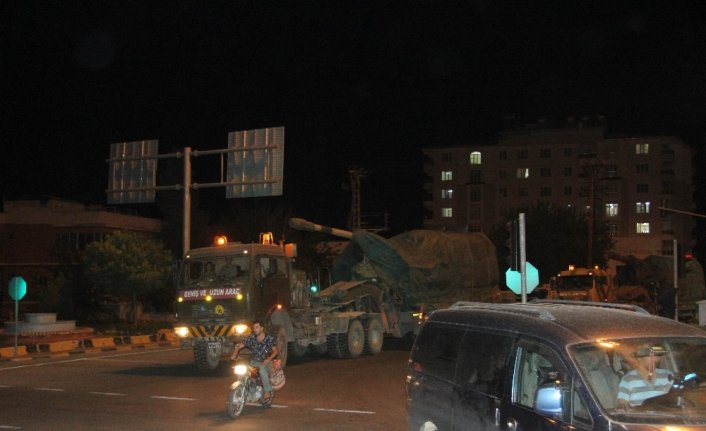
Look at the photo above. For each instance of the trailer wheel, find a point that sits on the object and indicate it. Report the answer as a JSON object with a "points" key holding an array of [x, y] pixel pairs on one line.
{"points": [[205, 358], [348, 345], [374, 337]]}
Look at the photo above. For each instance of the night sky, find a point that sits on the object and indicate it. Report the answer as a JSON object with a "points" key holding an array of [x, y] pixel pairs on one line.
{"points": [[364, 83]]}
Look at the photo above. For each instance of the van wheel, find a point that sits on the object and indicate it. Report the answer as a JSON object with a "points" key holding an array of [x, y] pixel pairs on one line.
{"points": [[373, 337]]}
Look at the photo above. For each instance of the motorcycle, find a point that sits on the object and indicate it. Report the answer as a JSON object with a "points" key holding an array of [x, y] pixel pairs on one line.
{"points": [[248, 387]]}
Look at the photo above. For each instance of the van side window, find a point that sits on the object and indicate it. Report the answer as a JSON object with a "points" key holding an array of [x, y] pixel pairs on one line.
{"points": [[436, 350], [535, 367], [483, 364]]}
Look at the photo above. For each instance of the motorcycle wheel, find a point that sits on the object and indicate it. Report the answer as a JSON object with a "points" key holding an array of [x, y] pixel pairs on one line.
{"points": [[236, 401]]}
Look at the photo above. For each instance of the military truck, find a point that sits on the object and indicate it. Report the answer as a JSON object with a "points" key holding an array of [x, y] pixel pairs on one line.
{"points": [[380, 287], [222, 288]]}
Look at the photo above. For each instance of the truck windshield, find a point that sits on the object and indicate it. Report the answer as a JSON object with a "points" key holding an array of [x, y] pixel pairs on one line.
{"points": [[647, 380], [579, 282], [215, 270]]}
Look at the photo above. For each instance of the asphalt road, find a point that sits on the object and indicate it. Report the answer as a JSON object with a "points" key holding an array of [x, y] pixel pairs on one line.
{"points": [[159, 389]]}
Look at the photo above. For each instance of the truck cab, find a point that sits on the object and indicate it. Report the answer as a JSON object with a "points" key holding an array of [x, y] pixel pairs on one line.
{"points": [[222, 288]]}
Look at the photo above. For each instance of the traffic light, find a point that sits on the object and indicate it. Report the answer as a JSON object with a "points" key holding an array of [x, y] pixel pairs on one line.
{"points": [[513, 244], [683, 256]]}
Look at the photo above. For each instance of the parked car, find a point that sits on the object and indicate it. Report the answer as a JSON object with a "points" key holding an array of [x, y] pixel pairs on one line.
{"points": [[555, 365]]}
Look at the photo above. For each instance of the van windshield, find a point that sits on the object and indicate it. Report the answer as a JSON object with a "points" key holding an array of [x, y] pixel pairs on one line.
{"points": [[647, 380]]}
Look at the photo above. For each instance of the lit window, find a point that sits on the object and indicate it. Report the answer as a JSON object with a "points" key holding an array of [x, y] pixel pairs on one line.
{"points": [[611, 210], [447, 194], [446, 175], [642, 148], [642, 228], [475, 158], [642, 207], [522, 173], [447, 212]]}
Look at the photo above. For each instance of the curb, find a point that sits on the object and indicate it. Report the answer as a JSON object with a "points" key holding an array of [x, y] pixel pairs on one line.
{"points": [[89, 345]]}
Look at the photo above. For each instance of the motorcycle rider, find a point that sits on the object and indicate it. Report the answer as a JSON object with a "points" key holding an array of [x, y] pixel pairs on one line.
{"points": [[263, 350]]}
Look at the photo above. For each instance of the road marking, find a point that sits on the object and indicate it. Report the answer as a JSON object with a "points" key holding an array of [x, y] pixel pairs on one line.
{"points": [[274, 406], [112, 394], [50, 389], [5, 386], [159, 397], [85, 359], [9, 427], [362, 412]]}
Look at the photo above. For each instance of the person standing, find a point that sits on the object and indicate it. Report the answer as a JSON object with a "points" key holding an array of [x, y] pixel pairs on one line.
{"points": [[263, 349]]}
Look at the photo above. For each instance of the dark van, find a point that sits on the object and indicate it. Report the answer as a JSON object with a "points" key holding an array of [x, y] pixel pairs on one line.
{"points": [[555, 365]]}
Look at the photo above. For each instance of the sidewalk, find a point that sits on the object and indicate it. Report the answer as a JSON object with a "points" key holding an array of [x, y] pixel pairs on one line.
{"points": [[49, 347]]}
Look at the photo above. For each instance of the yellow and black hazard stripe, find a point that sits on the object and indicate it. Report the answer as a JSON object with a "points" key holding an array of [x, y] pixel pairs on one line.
{"points": [[210, 330]]}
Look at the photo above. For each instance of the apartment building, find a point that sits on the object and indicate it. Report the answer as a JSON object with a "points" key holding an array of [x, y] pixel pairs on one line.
{"points": [[628, 178]]}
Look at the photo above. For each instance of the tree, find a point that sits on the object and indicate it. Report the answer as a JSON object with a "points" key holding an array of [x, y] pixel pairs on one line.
{"points": [[555, 237], [127, 264]]}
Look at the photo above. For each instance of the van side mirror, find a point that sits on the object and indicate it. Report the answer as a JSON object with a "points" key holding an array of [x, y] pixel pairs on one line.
{"points": [[549, 401]]}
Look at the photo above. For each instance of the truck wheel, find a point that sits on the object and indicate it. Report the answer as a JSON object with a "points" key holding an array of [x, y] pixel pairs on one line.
{"points": [[281, 337], [296, 350], [320, 349], [348, 345], [333, 345], [205, 358], [373, 337]]}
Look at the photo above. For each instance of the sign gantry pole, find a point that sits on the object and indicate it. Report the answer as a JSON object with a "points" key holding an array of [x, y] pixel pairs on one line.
{"points": [[187, 200]]}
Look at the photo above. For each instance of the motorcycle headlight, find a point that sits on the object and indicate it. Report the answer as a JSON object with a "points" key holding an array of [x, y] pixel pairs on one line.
{"points": [[181, 331], [241, 370]]}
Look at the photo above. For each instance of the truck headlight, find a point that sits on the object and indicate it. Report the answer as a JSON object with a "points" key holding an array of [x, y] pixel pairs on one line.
{"points": [[181, 331], [240, 328]]}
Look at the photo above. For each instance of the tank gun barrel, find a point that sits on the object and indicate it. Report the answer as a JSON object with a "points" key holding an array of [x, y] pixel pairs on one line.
{"points": [[301, 224]]}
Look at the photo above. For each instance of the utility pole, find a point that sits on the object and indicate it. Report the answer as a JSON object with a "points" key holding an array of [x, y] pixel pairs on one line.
{"points": [[592, 168]]}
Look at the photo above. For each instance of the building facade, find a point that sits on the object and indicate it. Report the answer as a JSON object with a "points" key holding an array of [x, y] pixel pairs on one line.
{"points": [[626, 179], [38, 235]]}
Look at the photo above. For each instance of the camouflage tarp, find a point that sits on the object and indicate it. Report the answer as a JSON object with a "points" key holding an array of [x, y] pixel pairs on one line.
{"points": [[422, 266]]}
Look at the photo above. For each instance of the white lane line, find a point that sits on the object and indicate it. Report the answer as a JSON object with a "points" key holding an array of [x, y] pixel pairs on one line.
{"points": [[111, 394], [274, 406], [50, 389], [92, 358], [159, 397], [5, 386], [362, 412], [9, 427]]}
